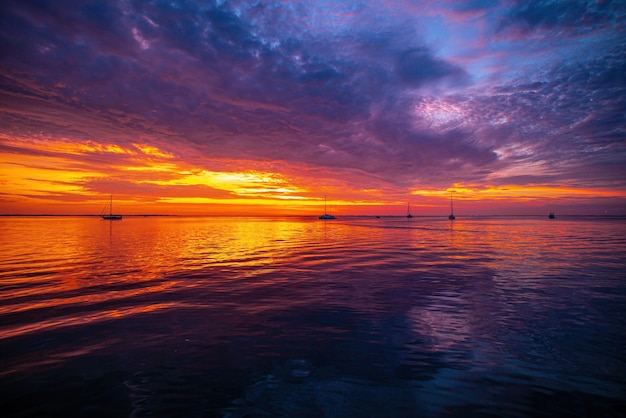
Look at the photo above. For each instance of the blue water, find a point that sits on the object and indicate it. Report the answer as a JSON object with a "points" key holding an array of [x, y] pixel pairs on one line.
{"points": [[297, 317]]}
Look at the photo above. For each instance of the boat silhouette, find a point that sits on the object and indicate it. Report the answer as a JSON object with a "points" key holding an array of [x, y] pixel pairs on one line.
{"points": [[326, 215], [110, 216]]}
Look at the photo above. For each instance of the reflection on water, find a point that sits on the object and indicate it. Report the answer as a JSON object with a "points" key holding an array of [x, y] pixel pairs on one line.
{"points": [[176, 316]]}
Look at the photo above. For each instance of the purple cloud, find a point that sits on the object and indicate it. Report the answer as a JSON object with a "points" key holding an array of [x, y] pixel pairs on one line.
{"points": [[575, 17]]}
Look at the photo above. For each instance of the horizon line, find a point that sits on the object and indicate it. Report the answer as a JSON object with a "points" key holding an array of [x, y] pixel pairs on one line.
{"points": [[144, 215]]}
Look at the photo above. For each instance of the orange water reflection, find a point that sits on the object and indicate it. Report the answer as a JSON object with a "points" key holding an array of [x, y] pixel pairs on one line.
{"points": [[55, 264], [50, 324], [52, 266]]}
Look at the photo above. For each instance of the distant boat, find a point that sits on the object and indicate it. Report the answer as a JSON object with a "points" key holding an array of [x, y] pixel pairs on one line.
{"points": [[110, 216], [408, 210], [451, 216], [551, 215], [326, 215]]}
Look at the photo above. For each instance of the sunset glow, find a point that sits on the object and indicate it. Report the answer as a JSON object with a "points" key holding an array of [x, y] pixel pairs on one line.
{"points": [[263, 109]]}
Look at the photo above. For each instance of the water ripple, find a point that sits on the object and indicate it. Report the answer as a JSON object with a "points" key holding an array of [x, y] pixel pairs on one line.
{"points": [[296, 317]]}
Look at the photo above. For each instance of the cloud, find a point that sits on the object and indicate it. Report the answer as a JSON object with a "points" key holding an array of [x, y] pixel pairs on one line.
{"points": [[571, 121], [574, 17], [331, 89], [418, 67]]}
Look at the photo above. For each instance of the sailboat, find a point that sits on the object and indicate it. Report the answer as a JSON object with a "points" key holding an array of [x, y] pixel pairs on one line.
{"points": [[551, 215], [326, 215], [110, 216], [408, 210], [451, 216]]}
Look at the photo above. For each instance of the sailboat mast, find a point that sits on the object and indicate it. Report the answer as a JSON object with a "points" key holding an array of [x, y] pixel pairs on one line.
{"points": [[111, 205], [451, 206]]}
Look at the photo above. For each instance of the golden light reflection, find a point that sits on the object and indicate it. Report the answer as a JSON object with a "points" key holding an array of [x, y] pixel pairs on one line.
{"points": [[56, 323]]}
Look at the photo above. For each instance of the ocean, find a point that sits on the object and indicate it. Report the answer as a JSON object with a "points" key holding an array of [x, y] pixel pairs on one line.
{"points": [[298, 317]]}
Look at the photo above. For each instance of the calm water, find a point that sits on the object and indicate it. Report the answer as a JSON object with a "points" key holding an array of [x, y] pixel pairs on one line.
{"points": [[290, 317]]}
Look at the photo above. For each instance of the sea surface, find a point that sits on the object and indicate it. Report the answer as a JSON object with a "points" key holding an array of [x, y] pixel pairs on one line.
{"points": [[297, 317]]}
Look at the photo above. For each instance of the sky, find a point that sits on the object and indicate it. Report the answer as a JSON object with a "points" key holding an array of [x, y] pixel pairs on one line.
{"points": [[261, 108]]}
